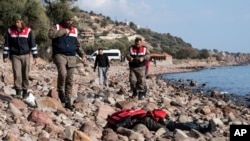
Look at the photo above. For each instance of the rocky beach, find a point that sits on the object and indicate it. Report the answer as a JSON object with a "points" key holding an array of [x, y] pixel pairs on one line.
{"points": [[43, 117]]}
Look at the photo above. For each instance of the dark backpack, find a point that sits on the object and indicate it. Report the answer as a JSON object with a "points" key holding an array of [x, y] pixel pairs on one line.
{"points": [[157, 115], [125, 118]]}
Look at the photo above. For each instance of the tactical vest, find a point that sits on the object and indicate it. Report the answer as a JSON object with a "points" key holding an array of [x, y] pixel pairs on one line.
{"points": [[19, 42], [136, 53], [66, 44]]}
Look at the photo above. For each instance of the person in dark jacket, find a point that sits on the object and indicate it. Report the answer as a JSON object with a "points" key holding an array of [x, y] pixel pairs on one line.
{"points": [[65, 47], [102, 62], [19, 43], [137, 56]]}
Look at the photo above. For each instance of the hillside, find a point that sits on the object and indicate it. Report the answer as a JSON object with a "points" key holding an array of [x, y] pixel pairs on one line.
{"points": [[99, 30], [96, 27]]}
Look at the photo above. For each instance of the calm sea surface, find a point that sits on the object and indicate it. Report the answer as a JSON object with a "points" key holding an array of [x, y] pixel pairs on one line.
{"points": [[228, 80]]}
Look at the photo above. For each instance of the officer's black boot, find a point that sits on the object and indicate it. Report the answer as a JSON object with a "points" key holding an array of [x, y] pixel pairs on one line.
{"points": [[134, 94], [25, 93], [141, 95], [61, 96], [68, 104], [19, 94]]}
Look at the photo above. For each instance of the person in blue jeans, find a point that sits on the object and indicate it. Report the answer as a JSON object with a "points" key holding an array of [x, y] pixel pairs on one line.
{"points": [[102, 62]]}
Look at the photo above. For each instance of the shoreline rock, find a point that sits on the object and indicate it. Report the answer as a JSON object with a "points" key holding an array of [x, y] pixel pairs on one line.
{"points": [[93, 104]]}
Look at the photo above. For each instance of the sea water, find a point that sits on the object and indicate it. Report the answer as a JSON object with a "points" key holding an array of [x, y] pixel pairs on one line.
{"points": [[234, 80]]}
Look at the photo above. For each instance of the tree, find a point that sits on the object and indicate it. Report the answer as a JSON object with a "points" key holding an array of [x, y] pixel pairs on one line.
{"points": [[215, 50], [56, 8], [203, 54], [104, 23], [76, 9], [133, 26], [186, 52], [33, 14], [218, 57], [121, 44]]}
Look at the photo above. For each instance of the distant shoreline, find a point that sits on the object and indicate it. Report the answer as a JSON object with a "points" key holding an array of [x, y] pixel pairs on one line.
{"points": [[235, 98]]}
